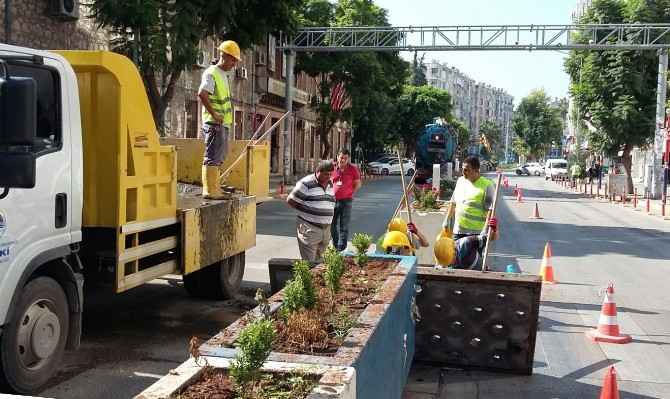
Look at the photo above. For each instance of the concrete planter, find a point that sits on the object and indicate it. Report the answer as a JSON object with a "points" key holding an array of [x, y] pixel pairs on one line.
{"points": [[380, 347], [334, 382]]}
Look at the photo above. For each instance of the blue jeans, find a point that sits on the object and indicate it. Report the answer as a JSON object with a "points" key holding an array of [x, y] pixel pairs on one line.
{"points": [[339, 229]]}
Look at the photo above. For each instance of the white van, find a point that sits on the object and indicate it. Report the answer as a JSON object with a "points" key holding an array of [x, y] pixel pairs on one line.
{"points": [[555, 168]]}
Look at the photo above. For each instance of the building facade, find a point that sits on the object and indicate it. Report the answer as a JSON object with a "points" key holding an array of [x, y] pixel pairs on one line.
{"points": [[258, 84], [474, 102]]}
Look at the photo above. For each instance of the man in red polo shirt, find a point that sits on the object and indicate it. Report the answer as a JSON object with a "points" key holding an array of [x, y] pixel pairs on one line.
{"points": [[346, 181]]}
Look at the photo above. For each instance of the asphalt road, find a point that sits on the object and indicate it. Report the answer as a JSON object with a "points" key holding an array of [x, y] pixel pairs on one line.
{"points": [[593, 243], [133, 339]]}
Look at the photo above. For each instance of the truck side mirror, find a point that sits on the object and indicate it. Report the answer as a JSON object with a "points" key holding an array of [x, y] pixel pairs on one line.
{"points": [[18, 127]]}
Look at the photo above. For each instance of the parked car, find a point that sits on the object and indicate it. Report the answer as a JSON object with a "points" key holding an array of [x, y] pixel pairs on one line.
{"points": [[555, 168], [381, 160], [534, 168], [522, 170], [392, 167]]}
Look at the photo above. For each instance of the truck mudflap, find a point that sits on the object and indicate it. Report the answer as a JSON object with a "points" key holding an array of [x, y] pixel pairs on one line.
{"points": [[212, 231]]}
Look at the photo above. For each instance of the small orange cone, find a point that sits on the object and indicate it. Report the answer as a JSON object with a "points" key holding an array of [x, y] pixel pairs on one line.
{"points": [[536, 213], [519, 197], [610, 389], [608, 328], [547, 270]]}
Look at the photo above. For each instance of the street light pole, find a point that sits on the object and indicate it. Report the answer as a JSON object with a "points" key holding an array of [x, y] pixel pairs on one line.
{"points": [[655, 169], [288, 123]]}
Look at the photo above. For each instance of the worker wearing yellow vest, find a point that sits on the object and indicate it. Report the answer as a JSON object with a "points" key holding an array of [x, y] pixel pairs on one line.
{"points": [[217, 117], [473, 196]]}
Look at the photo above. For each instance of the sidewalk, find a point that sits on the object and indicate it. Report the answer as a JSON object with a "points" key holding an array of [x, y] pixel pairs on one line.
{"points": [[651, 207]]}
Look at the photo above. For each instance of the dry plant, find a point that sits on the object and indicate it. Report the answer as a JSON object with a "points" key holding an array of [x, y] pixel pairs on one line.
{"points": [[306, 330]]}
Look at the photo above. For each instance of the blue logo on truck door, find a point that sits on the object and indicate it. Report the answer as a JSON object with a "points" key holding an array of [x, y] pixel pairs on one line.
{"points": [[3, 224], [5, 252]]}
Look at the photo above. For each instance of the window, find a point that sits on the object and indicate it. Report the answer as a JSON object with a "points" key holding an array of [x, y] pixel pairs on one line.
{"points": [[49, 131], [272, 52]]}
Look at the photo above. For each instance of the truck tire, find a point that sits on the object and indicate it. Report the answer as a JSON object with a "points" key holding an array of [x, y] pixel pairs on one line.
{"points": [[34, 341], [221, 280]]}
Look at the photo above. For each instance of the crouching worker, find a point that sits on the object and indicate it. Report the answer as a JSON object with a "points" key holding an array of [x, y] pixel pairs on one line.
{"points": [[465, 252], [396, 240]]}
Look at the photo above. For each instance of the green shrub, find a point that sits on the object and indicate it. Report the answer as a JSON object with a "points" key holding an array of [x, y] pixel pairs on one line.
{"points": [[254, 344], [334, 261], [301, 270], [361, 242]]}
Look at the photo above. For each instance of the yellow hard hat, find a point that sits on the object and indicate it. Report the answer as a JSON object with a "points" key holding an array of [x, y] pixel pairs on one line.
{"points": [[397, 224], [445, 251], [230, 47], [444, 233], [395, 239]]}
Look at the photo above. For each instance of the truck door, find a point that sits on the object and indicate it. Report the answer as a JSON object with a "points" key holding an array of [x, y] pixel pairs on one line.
{"points": [[35, 222]]}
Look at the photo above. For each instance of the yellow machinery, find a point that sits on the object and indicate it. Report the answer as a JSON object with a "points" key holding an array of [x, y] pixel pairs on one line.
{"points": [[134, 224]]}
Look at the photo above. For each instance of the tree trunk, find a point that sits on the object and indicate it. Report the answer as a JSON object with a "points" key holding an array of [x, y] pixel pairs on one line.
{"points": [[627, 161], [159, 102]]}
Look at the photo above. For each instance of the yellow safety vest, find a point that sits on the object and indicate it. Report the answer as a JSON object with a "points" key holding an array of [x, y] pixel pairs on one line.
{"points": [[220, 99], [471, 213]]}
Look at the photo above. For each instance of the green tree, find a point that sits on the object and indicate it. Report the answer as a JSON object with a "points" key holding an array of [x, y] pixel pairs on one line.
{"points": [[462, 136], [489, 133], [615, 91], [417, 106], [372, 80], [537, 125], [163, 36], [418, 75]]}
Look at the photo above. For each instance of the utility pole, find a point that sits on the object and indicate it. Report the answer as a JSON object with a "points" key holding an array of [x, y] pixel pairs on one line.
{"points": [[288, 123], [655, 169]]}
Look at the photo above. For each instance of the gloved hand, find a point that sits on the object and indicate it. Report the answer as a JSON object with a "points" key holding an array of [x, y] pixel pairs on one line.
{"points": [[411, 227], [493, 224]]}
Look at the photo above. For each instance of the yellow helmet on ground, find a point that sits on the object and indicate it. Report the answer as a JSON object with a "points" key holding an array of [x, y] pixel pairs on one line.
{"points": [[397, 224], [230, 47], [445, 251], [396, 239]]}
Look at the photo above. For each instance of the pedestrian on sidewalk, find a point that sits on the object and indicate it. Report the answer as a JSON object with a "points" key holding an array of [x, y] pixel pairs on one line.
{"points": [[473, 196], [314, 200], [346, 181], [575, 173], [217, 116]]}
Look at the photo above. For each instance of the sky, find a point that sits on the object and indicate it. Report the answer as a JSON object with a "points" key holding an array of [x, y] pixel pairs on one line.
{"points": [[517, 72]]}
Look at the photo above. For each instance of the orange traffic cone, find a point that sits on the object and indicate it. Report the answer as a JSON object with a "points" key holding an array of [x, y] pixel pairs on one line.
{"points": [[610, 389], [536, 213], [519, 197], [547, 270], [608, 328]]}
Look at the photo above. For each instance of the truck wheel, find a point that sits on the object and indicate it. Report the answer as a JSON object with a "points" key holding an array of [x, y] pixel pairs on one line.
{"points": [[33, 342], [221, 280]]}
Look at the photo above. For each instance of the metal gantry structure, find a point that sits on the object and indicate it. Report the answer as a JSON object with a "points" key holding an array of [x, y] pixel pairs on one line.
{"points": [[481, 37], [595, 37]]}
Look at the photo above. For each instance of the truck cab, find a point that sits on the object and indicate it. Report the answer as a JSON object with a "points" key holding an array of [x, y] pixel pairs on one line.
{"points": [[89, 194]]}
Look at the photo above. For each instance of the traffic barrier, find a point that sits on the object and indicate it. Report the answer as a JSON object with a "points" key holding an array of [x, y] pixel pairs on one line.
{"points": [[663, 206], [536, 213], [591, 189], [546, 269], [608, 328], [648, 203], [598, 192], [635, 199], [610, 389]]}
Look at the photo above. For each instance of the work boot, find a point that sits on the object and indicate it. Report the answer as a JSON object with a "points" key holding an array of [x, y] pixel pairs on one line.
{"points": [[210, 184]]}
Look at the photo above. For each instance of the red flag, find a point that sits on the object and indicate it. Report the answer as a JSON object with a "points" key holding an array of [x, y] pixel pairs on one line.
{"points": [[336, 97]]}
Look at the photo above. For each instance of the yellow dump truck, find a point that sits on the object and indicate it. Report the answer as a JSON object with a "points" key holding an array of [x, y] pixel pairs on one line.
{"points": [[88, 195]]}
